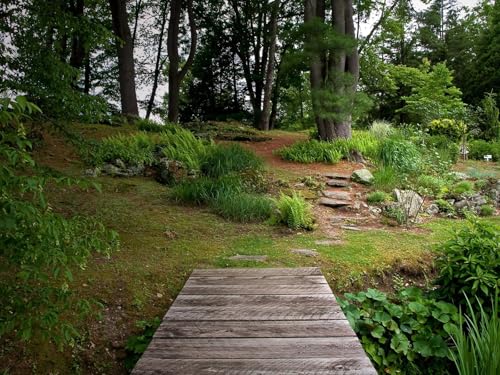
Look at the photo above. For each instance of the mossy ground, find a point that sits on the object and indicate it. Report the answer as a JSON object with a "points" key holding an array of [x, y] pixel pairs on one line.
{"points": [[162, 242]]}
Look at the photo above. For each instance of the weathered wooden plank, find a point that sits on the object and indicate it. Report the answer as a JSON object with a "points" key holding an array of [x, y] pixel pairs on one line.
{"points": [[309, 366], [254, 313], [258, 289], [255, 348], [255, 280], [185, 300], [247, 329], [303, 271]]}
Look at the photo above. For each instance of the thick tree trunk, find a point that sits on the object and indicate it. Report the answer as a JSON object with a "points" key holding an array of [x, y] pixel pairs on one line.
{"points": [[266, 107], [159, 61], [77, 42], [175, 76], [125, 49]]}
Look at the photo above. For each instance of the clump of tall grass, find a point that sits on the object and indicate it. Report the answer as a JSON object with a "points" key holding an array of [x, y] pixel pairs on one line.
{"points": [[386, 179], [401, 155], [294, 212], [477, 341], [381, 129], [205, 190], [221, 160], [242, 207], [332, 152]]}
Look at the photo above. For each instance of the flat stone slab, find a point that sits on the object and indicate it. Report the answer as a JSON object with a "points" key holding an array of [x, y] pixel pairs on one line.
{"points": [[338, 183], [335, 203], [306, 252], [328, 242], [350, 227], [255, 258], [336, 175], [340, 195]]}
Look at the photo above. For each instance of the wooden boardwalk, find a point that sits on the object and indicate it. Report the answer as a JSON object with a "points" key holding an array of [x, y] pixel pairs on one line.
{"points": [[255, 321]]}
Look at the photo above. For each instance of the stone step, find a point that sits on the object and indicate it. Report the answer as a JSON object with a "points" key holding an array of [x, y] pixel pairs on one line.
{"points": [[305, 252], [335, 203], [336, 175], [338, 183], [254, 258], [339, 195]]}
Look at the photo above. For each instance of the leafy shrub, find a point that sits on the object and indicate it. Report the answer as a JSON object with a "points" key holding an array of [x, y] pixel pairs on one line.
{"points": [[405, 334], [469, 263], [137, 344], [401, 155], [377, 197], [447, 150], [132, 149], [38, 248], [445, 206], [222, 160], [242, 207], [386, 179], [462, 188], [381, 129], [478, 148], [486, 210], [149, 125], [451, 128], [294, 212], [476, 341], [432, 185]]}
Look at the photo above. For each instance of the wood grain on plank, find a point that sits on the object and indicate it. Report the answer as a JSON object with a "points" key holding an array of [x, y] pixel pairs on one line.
{"points": [[185, 300], [255, 348], [304, 366], [303, 271], [254, 313], [258, 289], [255, 280], [239, 328]]}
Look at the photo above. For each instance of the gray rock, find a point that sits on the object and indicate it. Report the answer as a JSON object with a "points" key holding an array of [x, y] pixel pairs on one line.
{"points": [[433, 209], [333, 202], [340, 195], [338, 176], [120, 164], [254, 258], [350, 227], [170, 171], [459, 175], [363, 176], [459, 205], [111, 170], [478, 200], [328, 242], [375, 210], [409, 201], [305, 252], [338, 183], [92, 172]]}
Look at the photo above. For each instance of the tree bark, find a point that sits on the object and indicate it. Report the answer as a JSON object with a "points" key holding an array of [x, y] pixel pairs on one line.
{"points": [[125, 50], [159, 61], [175, 76], [77, 41], [266, 107]]}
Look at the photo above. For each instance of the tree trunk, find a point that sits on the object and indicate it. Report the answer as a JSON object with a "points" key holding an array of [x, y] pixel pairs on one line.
{"points": [[77, 42], [159, 62], [125, 49], [266, 108], [175, 76]]}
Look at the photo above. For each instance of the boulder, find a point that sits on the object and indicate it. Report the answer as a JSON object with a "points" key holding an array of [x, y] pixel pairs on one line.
{"points": [[169, 171], [338, 176], [92, 172], [340, 195], [409, 201], [433, 209], [333, 202], [363, 176], [120, 164], [305, 252], [337, 183]]}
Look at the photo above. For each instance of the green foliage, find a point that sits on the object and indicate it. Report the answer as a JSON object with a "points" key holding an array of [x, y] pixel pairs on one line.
{"points": [[447, 151], [147, 125], [378, 197], [294, 212], [490, 123], [478, 148], [445, 206], [222, 160], [38, 247], [401, 155], [143, 148], [470, 263], [137, 344], [242, 207], [454, 129], [386, 179], [462, 188], [332, 152], [432, 185], [381, 129], [477, 351], [204, 190], [486, 210], [405, 334]]}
